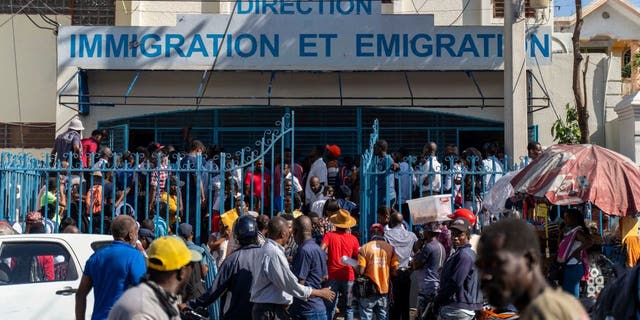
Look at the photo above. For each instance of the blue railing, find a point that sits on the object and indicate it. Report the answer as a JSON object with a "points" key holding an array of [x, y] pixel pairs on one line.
{"points": [[390, 182], [166, 188]]}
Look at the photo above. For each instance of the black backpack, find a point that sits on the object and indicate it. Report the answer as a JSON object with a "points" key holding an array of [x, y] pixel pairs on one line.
{"points": [[194, 287]]}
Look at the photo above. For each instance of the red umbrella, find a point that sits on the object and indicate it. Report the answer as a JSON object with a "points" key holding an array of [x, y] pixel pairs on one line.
{"points": [[572, 174]]}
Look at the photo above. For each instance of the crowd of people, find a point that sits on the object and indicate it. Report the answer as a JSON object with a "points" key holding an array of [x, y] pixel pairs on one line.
{"points": [[301, 256]]}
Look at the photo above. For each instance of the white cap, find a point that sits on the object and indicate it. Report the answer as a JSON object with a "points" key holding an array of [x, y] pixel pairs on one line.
{"points": [[76, 124]]}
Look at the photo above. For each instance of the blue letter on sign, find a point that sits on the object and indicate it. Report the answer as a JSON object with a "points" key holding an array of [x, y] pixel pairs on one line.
{"points": [[117, 49], [536, 44], [157, 49], [90, 48], [304, 44], [360, 43]]}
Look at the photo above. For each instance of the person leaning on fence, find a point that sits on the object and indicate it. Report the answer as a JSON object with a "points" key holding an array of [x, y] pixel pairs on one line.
{"points": [[377, 261], [170, 264], [318, 168], [193, 183], [68, 143], [90, 147], [491, 164], [104, 160], [430, 179], [385, 187]]}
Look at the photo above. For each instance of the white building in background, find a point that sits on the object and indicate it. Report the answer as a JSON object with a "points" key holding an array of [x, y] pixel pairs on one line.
{"points": [[417, 96]]}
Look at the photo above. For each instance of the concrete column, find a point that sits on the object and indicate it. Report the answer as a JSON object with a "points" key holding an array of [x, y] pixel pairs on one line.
{"points": [[635, 69], [628, 111], [515, 84]]}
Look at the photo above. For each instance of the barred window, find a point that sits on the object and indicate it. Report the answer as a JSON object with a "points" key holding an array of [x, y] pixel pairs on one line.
{"points": [[498, 9], [82, 12]]}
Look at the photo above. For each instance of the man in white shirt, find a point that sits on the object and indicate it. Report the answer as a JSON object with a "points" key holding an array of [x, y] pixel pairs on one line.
{"points": [[318, 169], [430, 178], [492, 165], [274, 285]]}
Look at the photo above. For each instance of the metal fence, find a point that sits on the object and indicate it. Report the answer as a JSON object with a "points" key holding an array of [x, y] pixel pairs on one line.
{"points": [[390, 182], [165, 187]]}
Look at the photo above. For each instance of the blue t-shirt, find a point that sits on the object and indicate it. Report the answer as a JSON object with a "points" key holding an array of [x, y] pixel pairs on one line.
{"points": [[433, 256], [113, 270], [310, 265]]}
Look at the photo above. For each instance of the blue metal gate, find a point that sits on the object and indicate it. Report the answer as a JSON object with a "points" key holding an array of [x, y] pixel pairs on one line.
{"points": [[167, 188], [466, 177]]}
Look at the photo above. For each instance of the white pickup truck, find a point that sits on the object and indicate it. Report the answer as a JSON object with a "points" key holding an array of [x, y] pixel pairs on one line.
{"points": [[40, 273]]}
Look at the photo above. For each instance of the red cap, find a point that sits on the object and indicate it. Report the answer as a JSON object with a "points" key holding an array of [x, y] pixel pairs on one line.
{"points": [[464, 214], [376, 227], [334, 150]]}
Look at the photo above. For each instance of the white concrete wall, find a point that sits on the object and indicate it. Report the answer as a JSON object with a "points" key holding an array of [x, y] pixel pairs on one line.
{"points": [[628, 125], [558, 80], [621, 24], [162, 13], [35, 64]]}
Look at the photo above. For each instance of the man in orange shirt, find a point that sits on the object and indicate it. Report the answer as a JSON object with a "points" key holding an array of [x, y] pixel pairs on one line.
{"points": [[376, 261]]}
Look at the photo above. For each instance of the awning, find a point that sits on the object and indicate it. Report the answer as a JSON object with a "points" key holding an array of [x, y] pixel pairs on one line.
{"points": [[441, 89]]}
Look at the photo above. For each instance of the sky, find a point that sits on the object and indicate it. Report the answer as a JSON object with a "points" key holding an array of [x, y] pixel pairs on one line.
{"points": [[564, 8]]}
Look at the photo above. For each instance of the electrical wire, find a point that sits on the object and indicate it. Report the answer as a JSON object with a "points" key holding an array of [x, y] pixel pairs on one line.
{"points": [[15, 13], [215, 61], [461, 13], [37, 25], [15, 61]]}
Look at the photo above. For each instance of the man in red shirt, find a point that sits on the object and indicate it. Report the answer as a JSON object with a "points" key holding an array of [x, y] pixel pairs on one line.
{"points": [[337, 244], [260, 181], [90, 147]]}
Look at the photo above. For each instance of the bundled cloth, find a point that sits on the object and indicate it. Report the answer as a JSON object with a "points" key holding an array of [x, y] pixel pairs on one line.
{"points": [[632, 247]]}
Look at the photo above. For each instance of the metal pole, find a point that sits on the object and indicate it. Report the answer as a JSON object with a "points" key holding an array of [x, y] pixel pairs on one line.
{"points": [[515, 91]]}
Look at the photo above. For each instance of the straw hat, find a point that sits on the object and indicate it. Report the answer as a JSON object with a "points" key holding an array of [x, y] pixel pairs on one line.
{"points": [[342, 219]]}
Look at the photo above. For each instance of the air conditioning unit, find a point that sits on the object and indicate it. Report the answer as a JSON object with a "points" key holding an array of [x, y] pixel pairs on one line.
{"points": [[539, 4]]}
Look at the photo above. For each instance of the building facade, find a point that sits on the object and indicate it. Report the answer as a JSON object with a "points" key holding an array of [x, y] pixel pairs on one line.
{"points": [[418, 96]]}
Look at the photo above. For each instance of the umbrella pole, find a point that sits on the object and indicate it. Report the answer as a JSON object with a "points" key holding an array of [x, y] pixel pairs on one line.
{"points": [[524, 208], [546, 236], [600, 221]]}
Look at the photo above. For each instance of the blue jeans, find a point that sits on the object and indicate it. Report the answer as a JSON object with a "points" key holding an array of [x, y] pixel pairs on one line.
{"points": [[571, 279], [343, 290], [310, 315], [373, 305], [447, 313]]}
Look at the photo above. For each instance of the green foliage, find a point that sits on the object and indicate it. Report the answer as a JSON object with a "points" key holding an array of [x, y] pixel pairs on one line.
{"points": [[626, 71], [567, 131]]}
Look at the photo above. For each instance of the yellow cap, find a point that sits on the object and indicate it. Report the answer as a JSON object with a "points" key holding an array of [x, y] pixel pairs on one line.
{"points": [[170, 253]]}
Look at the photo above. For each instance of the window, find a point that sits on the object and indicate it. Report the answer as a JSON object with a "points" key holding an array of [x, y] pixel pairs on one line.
{"points": [[27, 135], [100, 245], [498, 9], [626, 64], [31, 262], [82, 12]]}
